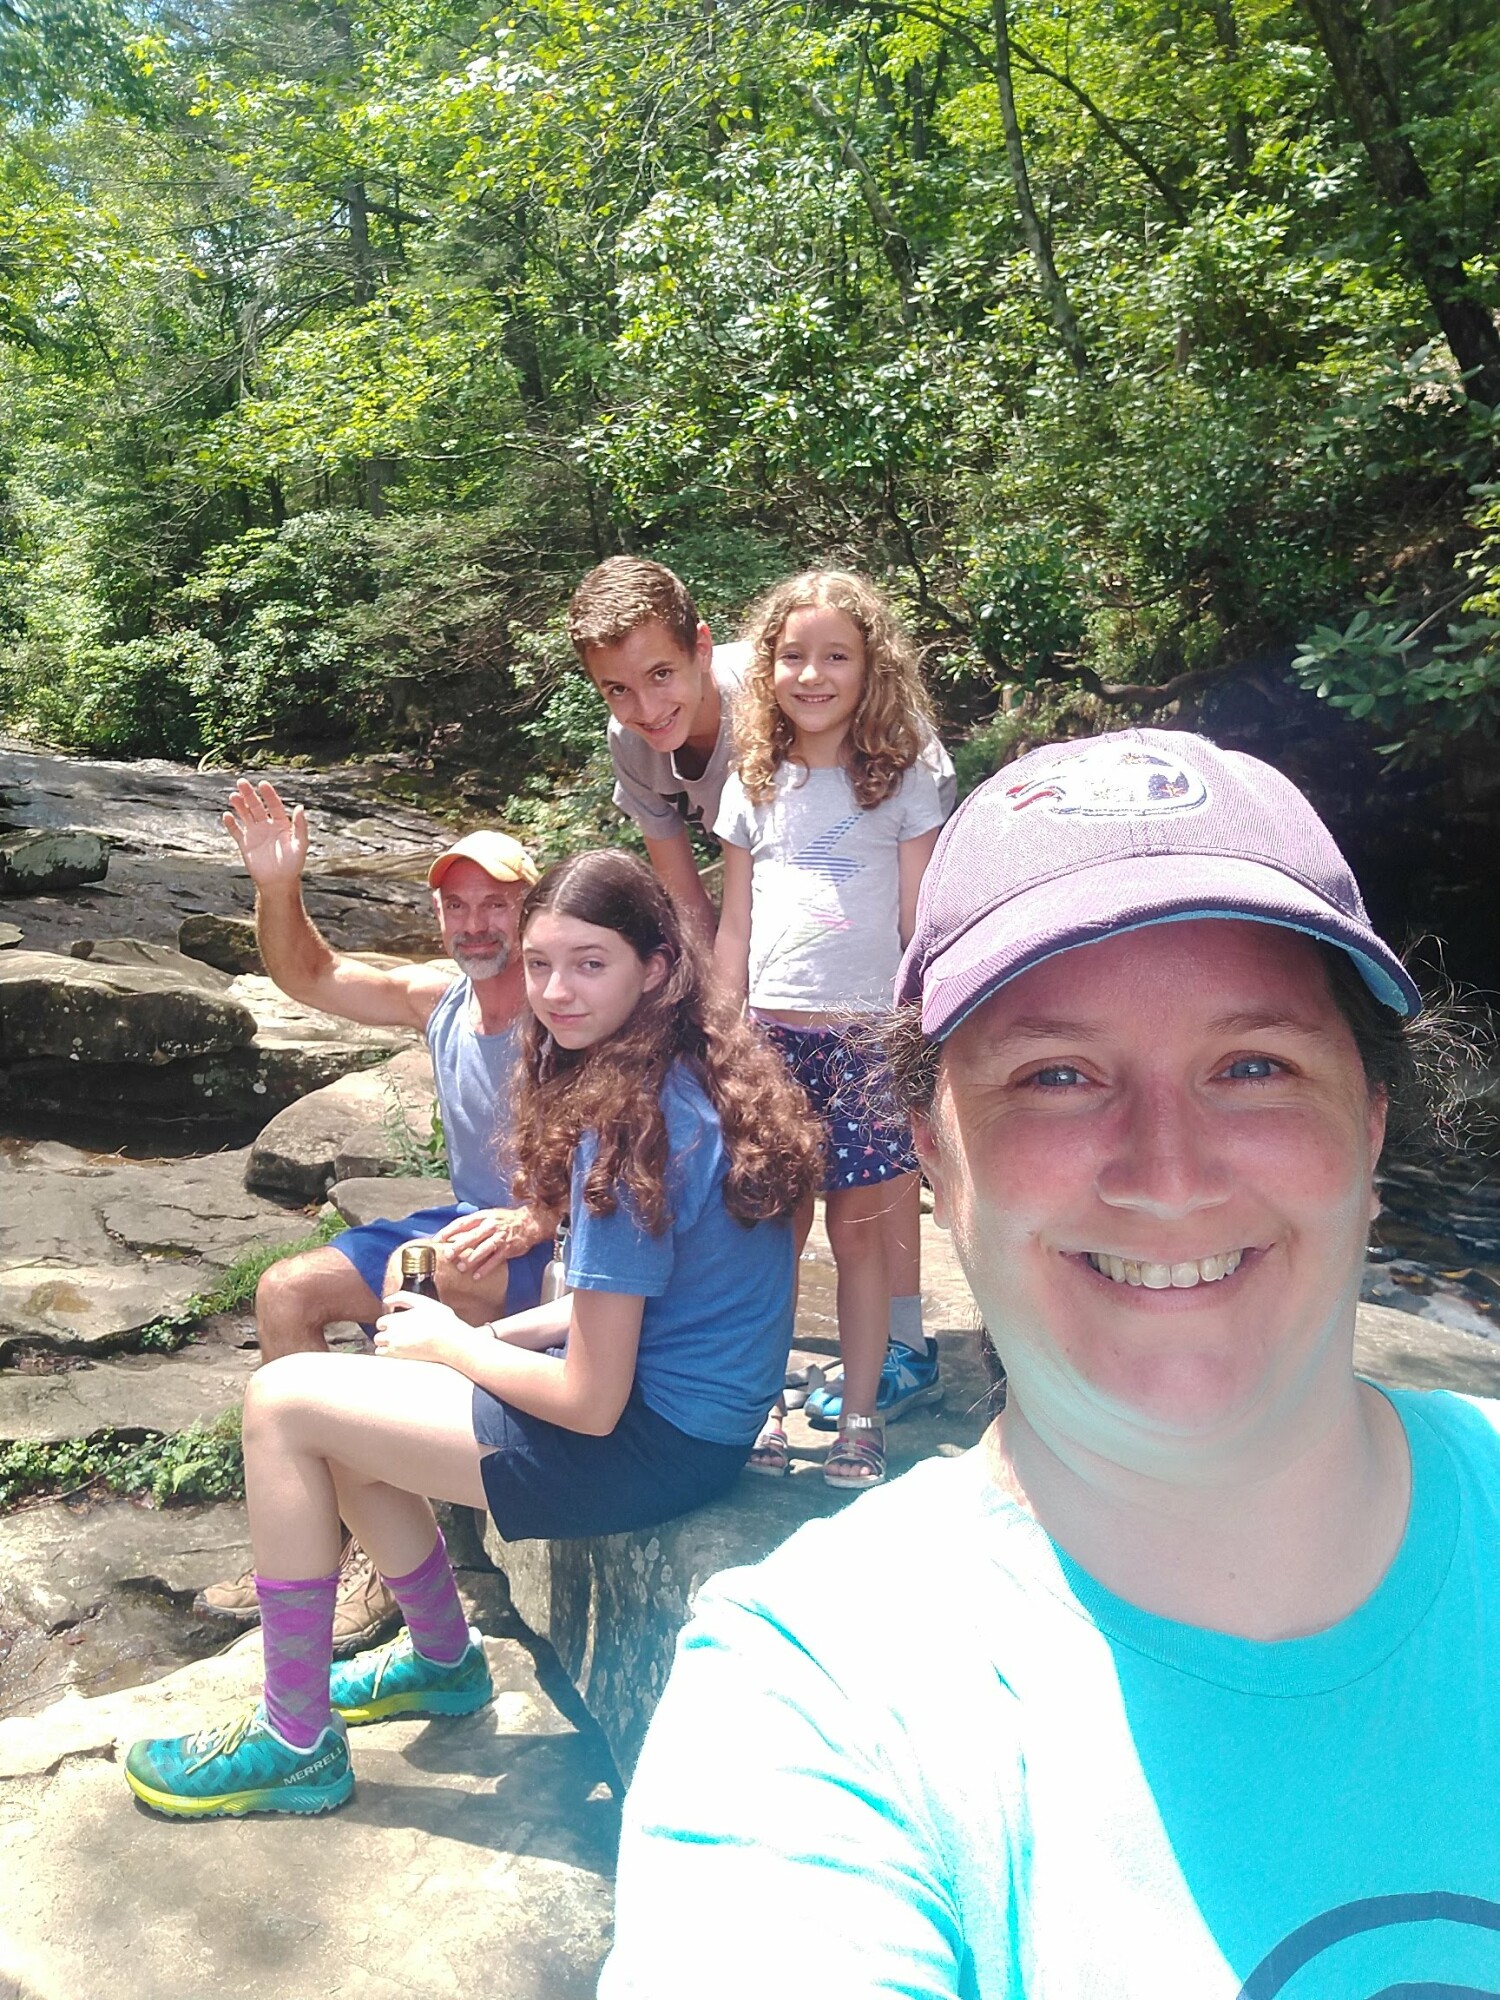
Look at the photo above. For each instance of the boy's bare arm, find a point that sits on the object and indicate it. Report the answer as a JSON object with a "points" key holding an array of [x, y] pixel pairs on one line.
{"points": [[273, 845], [673, 861]]}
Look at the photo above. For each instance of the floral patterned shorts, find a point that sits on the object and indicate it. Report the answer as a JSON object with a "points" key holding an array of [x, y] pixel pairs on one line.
{"points": [[866, 1142]]}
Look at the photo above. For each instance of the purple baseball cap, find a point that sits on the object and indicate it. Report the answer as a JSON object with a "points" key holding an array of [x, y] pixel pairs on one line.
{"points": [[1079, 841]]}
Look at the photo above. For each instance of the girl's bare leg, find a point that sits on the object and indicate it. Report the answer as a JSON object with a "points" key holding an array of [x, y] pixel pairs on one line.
{"points": [[856, 1233], [901, 1227], [324, 1439]]}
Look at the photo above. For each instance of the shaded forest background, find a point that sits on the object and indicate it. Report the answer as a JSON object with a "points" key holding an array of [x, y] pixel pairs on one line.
{"points": [[1137, 344]]}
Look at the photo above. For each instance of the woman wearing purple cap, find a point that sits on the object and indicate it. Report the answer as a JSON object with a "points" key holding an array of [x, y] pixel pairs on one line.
{"points": [[1187, 1687]]}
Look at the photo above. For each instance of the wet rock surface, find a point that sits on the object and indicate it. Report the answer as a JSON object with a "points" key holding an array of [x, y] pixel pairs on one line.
{"points": [[94, 1248], [169, 857]]}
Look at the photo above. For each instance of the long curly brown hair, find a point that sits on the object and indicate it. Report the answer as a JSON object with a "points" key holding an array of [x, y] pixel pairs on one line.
{"points": [[894, 718], [613, 1089]]}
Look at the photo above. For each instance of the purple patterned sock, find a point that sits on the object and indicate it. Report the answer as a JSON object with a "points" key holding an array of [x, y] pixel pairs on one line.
{"points": [[296, 1625], [428, 1597]]}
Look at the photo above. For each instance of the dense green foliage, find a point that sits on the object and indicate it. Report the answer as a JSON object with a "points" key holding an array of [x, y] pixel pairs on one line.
{"points": [[203, 1462], [1129, 339]]}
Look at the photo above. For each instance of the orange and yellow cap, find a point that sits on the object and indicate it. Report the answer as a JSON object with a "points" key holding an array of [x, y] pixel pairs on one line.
{"points": [[502, 858]]}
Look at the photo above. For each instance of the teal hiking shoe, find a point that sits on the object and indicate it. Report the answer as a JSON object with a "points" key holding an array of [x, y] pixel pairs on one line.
{"points": [[907, 1379], [394, 1679], [241, 1767]]}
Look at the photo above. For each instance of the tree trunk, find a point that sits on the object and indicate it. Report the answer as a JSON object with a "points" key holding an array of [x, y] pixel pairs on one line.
{"points": [[1236, 130], [1468, 327], [1038, 238], [893, 241]]}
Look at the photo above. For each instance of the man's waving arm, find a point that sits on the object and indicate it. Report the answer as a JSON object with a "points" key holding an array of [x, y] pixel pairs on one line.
{"points": [[273, 845]]}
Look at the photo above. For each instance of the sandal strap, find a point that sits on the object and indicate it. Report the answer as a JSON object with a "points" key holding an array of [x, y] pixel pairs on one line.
{"points": [[856, 1423], [852, 1463]]}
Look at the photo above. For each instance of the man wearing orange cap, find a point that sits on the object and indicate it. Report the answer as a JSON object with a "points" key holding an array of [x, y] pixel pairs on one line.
{"points": [[491, 1254]]}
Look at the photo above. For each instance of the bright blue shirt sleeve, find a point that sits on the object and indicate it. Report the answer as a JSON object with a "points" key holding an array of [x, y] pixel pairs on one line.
{"points": [[613, 1253]]}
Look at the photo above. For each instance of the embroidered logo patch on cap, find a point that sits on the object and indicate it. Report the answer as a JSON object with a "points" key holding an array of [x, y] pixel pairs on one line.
{"points": [[1111, 781]]}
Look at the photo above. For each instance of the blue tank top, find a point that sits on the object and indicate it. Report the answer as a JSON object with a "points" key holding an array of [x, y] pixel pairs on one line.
{"points": [[473, 1075]]}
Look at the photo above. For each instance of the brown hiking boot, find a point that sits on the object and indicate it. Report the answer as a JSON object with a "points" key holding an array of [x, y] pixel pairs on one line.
{"points": [[363, 1613], [233, 1600], [365, 1610]]}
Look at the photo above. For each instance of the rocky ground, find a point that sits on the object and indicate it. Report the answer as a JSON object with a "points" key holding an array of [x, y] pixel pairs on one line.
{"points": [[132, 1177]]}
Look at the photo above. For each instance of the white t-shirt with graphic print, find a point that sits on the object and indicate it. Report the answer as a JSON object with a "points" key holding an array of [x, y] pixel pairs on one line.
{"points": [[825, 883]]}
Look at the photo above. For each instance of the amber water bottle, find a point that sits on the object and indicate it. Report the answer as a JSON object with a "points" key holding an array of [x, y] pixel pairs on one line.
{"points": [[419, 1270]]}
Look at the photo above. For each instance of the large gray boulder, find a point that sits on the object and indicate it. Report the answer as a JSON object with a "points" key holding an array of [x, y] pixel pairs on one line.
{"points": [[360, 1127], [73, 1010], [58, 858], [140, 951], [136, 1033]]}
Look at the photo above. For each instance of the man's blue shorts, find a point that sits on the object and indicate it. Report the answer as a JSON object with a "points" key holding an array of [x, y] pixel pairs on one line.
{"points": [[371, 1247]]}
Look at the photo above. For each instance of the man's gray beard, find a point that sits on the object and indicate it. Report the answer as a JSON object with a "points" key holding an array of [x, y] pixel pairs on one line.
{"points": [[481, 965]]}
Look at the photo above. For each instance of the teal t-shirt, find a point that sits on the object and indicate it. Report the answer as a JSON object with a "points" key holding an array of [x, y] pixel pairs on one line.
{"points": [[924, 1754]]}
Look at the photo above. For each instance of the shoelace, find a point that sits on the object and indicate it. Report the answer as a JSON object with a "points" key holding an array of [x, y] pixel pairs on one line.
{"points": [[222, 1741], [384, 1655]]}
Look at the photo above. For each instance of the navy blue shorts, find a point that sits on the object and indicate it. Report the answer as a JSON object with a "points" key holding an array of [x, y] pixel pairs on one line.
{"points": [[865, 1147], [371, 1247], [544, 1483]]}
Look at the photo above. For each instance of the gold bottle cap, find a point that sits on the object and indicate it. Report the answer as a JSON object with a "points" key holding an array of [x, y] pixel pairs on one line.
{"points": [[418, 1260]]}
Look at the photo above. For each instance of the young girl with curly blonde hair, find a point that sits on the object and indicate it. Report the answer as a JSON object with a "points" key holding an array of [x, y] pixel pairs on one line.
{"points": [[827, 825], [674, 1139]]}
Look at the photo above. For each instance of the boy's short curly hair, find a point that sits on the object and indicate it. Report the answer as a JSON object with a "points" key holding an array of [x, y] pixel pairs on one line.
{"points": [[623, 593]]}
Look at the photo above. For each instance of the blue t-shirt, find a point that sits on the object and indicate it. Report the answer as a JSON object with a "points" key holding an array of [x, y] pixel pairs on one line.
{"points": [[717, 1322], [942, 1762], [472, 1074]]}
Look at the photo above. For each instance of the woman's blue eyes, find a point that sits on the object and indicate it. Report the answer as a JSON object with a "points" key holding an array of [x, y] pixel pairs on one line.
{"points": [[1056, 1076], [1252, 1069]]}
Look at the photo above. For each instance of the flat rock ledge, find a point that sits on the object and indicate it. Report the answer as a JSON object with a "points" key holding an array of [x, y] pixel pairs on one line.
{"points": [[612, 1607], [472, 1862]]}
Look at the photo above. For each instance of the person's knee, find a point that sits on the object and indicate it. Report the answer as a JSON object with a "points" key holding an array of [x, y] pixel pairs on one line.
{"points": [[473, 1299], [287, 1309], [277, 1396], [852, 1229]]}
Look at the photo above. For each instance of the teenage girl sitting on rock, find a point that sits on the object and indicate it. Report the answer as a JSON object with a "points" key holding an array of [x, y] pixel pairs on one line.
{"points": [[681, 1149]]}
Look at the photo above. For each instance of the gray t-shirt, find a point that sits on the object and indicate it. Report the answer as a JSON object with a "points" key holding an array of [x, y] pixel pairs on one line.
{"points": [[825, 891], [648, 784]]}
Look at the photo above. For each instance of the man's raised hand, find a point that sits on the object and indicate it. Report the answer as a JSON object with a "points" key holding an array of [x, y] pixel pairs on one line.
{"points": [[272, 841]]}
